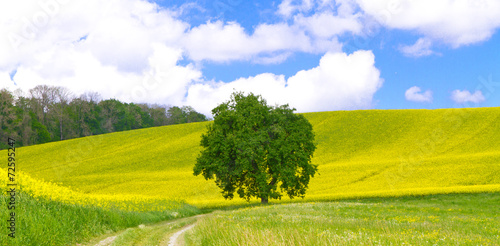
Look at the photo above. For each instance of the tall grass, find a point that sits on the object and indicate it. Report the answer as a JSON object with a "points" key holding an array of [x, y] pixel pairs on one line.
{"points": [[41, 221]]}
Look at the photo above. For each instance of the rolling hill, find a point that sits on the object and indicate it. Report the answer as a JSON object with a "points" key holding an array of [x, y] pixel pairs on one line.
{"points": [[364, 153]]}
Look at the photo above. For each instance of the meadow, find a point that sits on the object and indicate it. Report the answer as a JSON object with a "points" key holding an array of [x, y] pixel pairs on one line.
{"points": [[110, 182], [466, 219]]}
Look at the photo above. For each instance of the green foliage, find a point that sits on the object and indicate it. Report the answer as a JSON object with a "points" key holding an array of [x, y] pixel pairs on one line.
{"points": [[185, 114], [42, 134], [254, 149], [7, 117]]}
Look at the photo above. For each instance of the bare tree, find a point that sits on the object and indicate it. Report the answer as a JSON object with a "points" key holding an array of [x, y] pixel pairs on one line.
{"points": [[43, 97], [91, 97], [62, 98]]}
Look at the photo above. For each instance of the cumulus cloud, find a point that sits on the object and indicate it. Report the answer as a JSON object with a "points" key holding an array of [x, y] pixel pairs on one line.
{"points": [[223, 42], [131, 50], [125, 49], [117, 33], [414, 94], [456, 22], [340, 81], [325, 24], [465, 96], [120, 33], [288, 7], [421, 48]]}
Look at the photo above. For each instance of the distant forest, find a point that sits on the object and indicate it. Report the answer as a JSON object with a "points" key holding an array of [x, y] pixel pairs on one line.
{"points": [[48, 113]]}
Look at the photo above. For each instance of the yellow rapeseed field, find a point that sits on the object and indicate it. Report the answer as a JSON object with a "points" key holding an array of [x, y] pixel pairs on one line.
{"points": [[47, 190], [365, 153]]}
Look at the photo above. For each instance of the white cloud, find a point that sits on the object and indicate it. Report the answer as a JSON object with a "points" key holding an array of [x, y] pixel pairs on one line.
{"points": [[414, 94], [455, 22], [287, 7], [125, 49], [162, 82], [340, 81], [130, 50], [224, 42], [6, 82], [421, 48], [465, 96], [326, 24], [120, 33]]}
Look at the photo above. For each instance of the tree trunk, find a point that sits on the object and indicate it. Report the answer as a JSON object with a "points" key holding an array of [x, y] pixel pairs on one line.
{"points": [[264, 200], [61, 127]]}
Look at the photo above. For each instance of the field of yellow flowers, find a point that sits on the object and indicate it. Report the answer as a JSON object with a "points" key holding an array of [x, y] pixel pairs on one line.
{"points": [[51, 191], [365, 153]]}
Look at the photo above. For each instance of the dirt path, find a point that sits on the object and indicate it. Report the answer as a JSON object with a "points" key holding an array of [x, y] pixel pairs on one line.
{"points": [[106, 242], [173, 238]]}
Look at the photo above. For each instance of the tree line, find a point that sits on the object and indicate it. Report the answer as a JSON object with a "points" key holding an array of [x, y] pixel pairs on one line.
{"points": [[50, 113]]}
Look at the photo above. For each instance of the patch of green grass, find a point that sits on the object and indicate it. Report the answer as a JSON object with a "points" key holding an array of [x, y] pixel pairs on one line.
{"points": [[466, 219], [45, 222]]}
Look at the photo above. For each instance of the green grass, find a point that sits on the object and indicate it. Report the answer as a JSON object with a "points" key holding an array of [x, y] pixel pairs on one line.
{"points": [[466, 219], [365, 153], [44, 222]]}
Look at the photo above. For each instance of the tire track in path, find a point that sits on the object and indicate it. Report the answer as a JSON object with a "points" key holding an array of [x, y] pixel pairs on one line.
{"points": [[174, 238]]}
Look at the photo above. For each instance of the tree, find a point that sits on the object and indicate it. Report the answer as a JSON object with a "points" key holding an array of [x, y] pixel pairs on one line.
{"points": [[113, 115], [157, 113], [186, 114], [176, 115], [62, 98], [7, 117], [193, 116], [42, 96], [24, 127], [256, 150]]}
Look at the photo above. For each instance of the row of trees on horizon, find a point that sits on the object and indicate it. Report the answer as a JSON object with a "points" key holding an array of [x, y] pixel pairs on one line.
{"points": [[49, 113]]}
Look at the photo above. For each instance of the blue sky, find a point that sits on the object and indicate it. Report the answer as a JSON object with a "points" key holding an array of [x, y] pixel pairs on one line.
{"points": [[316, 55]]}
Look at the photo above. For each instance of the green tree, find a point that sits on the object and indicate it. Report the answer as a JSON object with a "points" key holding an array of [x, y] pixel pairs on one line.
{"points": [[8, 118], [193, 116], [257, 150], [157, 114], [176, 115], [42, 135]]}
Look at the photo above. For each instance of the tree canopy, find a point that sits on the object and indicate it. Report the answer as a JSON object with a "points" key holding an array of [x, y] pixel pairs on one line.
{"points": [[257, 150]]}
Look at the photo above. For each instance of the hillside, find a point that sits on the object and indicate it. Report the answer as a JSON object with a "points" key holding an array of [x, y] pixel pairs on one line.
{"points": [[360, 153]]}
